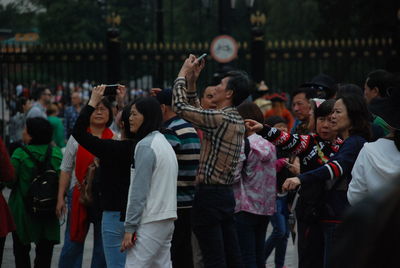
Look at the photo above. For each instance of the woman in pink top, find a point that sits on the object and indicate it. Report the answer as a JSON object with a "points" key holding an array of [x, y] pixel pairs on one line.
{"points": [[255, 190]]}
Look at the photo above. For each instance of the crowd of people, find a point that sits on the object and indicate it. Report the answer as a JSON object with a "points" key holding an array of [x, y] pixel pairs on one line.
{"points": [[188, 177]]}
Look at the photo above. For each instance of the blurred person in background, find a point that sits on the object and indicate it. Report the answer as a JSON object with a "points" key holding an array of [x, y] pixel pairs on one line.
{"points": [[71, 113], [17, 123], [7, 224], [39, 107], [57, 124]]}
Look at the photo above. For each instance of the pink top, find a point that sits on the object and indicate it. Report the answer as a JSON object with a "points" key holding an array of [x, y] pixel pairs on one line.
{"points": [[255, 183]]}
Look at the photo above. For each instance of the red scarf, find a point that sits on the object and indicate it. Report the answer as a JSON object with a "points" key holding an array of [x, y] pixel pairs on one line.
{"points": [[79, 221]]}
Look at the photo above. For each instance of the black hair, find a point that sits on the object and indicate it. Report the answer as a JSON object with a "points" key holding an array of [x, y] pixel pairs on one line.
{"points": [[250, 110], [358, 114], [21, 101], [308, 92], [349, 89], [40, 130], [126, 112], [324, 109], [273, 120], [397, 138], [241, 85], [150, 108], [380, 79]]}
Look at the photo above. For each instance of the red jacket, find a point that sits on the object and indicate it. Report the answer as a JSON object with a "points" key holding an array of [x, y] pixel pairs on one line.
{"points": [[6, 174]]}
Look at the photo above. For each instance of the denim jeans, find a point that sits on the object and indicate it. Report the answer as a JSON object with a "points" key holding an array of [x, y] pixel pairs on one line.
{"points": [[72, 252], [251, 230], [113, 232], [280, 234], [330, 237], [213, 224]]}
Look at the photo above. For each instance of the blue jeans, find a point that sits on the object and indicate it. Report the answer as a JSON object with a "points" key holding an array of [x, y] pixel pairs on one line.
{"points": [[214, 227], [113, 232], [280, 234], [251, 230], [72, 252]]}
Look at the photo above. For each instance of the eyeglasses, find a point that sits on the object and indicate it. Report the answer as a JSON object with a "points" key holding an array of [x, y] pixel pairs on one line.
{"points": [[101, 109]]}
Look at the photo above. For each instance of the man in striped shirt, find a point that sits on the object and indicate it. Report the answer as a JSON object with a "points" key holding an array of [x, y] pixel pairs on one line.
{"points": [[224, 129], [186, 143]]}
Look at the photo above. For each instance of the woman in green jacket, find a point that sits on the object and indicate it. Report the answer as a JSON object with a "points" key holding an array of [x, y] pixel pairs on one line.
{"points": [[44, 232]]}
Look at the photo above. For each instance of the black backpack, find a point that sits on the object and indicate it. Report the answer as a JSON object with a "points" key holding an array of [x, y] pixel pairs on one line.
{"points": [[41, 199]]}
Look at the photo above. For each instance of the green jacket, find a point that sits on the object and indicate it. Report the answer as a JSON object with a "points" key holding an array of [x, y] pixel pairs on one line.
{"points": [[31, 229], [58, 130]]}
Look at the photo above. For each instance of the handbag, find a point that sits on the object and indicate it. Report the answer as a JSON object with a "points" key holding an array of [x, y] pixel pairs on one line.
{"points": [[86, 187]]}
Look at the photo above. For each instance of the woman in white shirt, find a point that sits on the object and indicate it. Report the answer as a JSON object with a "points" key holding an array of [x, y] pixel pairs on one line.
{"points": [[151, 209], [378, 162]]}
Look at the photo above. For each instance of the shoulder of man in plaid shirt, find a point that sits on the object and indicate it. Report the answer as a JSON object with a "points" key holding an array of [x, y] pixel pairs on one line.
{"points": [[224, 132]]}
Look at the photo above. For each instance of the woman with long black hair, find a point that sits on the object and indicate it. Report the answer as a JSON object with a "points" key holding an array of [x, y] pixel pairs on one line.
{"points": [[151, 208]]}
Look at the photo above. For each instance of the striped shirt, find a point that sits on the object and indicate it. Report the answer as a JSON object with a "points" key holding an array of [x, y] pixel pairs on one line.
{"points": [[186, 144], [223, 135]]}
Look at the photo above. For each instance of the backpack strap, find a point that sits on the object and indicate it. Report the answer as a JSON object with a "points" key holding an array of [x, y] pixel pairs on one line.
{"points": [[39, 165]]}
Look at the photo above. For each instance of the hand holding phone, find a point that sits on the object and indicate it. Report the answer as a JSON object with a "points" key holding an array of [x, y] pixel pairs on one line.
{"points": [[201, 57], [110, 90]]}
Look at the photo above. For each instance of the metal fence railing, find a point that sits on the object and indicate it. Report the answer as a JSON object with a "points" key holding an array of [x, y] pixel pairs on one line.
{"points": [[287, 65]]}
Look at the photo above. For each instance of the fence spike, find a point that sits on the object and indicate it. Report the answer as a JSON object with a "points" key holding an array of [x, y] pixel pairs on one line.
{"points": [[283, 43], [323, 43], [200, 46], [363, 42], [141, 46], [245, 45], [370, 41], [167, 45], [206, 45], [290, 44], [276, 44], [135, 46], [309, 43], [383, 41], [336, 43], [316, 43], [376, 41]]}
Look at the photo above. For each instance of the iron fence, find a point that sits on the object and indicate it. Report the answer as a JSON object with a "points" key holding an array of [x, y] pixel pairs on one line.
{"points": [[288, 63]]}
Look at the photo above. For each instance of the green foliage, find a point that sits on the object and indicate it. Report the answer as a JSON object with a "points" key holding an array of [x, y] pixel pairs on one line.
{"points": [[191, 21], [72, 21], [12, 17]]}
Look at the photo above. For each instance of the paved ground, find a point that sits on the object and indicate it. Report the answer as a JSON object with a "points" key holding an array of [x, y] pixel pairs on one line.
{"points": [[8, 257]]}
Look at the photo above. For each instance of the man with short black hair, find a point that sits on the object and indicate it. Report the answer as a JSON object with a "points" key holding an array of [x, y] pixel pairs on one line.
{"points": [[214, 202], [39, 108], [301, 109], [375, 93]]}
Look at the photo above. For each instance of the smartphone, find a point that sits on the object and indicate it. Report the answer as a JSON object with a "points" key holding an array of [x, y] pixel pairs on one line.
{"points": [[110, 90], [201, 57]]}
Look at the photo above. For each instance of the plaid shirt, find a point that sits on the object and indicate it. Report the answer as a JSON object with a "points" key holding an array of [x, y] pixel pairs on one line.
{"points": [[223, 135]]}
